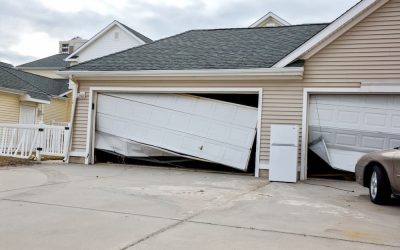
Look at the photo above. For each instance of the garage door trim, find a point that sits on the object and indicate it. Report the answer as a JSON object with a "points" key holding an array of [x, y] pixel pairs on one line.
{"points": [[376, 87], [92, 109]]}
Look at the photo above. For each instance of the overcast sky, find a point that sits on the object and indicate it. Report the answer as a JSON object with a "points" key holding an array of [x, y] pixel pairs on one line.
{"points": [[31, 29]]}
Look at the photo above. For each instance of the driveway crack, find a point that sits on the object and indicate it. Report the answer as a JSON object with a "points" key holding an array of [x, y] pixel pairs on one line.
{"points": [[189, 218]]}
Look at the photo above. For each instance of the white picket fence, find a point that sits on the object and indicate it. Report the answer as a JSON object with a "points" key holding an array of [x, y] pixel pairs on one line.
{"points": [[22, 140]]}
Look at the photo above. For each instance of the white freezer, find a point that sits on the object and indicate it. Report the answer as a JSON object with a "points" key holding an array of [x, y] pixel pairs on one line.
{"points": [[199, 127], [284, 153]]}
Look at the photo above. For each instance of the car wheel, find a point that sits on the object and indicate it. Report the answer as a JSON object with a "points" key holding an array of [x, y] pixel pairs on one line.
{"points": [[379, 187]]}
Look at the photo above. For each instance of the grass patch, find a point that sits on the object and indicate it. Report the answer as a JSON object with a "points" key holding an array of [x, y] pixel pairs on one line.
{"points": [[11, 161]]}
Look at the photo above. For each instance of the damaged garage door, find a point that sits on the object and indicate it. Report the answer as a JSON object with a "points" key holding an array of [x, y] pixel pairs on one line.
{"points": [[342, 128], [191, 126]]}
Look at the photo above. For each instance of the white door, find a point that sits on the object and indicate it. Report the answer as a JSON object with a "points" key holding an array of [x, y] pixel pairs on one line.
{"points": [[352, 125], [208, 129], [27, 114]]}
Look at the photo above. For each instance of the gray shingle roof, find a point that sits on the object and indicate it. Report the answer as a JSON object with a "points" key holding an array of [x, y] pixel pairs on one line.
{"points": [[6, 65], [141, 36], [55, 61], [241, 48], [36, 86]]}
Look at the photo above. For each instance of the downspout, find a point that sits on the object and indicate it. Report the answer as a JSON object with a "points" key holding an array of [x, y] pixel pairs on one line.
{"points": [[74, 87]]}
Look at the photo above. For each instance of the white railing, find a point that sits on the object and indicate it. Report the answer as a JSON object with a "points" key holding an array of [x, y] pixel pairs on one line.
{"points": [[22, 140]]}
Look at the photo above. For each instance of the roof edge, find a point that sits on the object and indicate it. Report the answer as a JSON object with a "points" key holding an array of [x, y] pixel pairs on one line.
{"points": [[38, 68], [328, 31], [289, 72]]}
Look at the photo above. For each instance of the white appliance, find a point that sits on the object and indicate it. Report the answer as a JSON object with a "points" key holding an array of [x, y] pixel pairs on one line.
{"points": [[283, 153]]}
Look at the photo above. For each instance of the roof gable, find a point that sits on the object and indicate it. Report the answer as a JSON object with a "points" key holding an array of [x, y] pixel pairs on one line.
{"points": [[270, 20], [243, 48], [136, 36]]}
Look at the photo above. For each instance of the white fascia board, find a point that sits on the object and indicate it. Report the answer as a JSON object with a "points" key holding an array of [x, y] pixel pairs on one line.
{"points": [[327, 32], [282, 72], [28, 98], [66, 93], [268, 15]]}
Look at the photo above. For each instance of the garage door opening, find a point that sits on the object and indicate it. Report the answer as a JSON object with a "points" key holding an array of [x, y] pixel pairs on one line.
{"points": [[344, 127], [213, 131]]}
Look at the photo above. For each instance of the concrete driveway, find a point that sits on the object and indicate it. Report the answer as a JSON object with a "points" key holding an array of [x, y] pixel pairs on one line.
{"points": [[132, 207]]}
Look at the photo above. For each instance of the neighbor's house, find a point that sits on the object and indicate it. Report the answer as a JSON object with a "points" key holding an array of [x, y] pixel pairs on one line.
{"points": [[25, 98], [357, 56], [115, 37]]}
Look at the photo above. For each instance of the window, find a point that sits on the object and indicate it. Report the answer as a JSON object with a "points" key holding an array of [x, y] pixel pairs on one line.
{"points": [[116, 35]]}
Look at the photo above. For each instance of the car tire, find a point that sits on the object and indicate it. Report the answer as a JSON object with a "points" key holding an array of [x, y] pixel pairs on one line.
{"points": [[379, 187]]}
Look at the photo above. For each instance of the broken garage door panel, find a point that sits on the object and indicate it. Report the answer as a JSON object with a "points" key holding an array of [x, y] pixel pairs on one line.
{"points": [[131, 148], [203, 128], [352, 125]]}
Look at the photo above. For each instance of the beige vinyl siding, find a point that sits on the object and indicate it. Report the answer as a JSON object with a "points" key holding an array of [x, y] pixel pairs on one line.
{"points": [[56, 111], [368, 51], [9, 108]]}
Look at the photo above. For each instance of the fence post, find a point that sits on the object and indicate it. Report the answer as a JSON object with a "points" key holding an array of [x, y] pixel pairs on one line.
{"points": [[39, 145], [67, 132]]}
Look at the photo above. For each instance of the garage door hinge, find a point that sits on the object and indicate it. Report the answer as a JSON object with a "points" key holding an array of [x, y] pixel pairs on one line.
{"points": [[92, 106]]}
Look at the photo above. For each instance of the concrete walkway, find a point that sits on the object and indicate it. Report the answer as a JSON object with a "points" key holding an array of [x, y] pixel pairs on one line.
{"points": [[52, 206]]}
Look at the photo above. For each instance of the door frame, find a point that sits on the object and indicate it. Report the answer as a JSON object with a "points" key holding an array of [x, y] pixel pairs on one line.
{"points": [[92, 110], [377, 87]]}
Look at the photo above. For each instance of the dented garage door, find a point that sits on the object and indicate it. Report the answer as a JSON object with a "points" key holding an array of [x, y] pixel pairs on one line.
{"points": [[352, 125], [208, 129]]}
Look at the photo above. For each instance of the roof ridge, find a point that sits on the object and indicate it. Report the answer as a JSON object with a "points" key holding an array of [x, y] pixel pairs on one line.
{"points": [[250, 28], [35, 87]]}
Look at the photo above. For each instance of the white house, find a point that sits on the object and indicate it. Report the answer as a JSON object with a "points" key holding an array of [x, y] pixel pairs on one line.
{"points": [[113, 38]]}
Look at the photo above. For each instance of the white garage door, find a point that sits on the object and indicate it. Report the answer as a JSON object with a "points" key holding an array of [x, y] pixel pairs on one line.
{"points": [[208, 129], [353, 125]]}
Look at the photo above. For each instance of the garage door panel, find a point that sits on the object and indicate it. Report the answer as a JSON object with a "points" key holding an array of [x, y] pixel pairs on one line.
{"points": [[162, 118], [355, 123], [218, 137], [243, 116]]}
